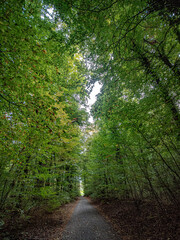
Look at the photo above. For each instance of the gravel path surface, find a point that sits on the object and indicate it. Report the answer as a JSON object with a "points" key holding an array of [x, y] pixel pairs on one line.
{"points": [[87, 224]]}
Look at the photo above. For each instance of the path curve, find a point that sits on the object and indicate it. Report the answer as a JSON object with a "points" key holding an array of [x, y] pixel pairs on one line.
{"points": [[87, 224]]}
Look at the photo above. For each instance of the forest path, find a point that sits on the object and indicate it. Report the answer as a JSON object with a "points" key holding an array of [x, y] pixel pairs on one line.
{"points": [[87, 224]]}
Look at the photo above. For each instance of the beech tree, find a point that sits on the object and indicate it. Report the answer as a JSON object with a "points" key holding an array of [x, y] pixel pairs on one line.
{"points": [[41, 91], [133, 51], [52, 53]]}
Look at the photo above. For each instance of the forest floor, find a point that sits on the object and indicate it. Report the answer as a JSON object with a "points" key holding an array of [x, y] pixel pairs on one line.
{"points": [[41, 224], [145, 222]]}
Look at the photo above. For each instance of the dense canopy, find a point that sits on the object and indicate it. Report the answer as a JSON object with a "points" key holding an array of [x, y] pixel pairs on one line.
{"points": [[52, 53]]}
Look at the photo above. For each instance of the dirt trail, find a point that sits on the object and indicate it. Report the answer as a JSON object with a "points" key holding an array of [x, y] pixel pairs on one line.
{"points": [[87, 224]]}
